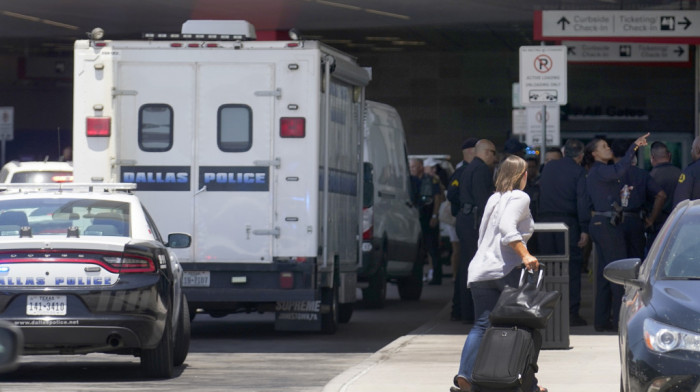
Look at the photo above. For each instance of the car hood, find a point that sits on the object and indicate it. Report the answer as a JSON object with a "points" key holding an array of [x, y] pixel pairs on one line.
{"points": [[105, 243], [677, 302]]}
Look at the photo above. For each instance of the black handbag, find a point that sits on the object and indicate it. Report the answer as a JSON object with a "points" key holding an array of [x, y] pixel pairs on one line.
{"points": [[527, 305]]}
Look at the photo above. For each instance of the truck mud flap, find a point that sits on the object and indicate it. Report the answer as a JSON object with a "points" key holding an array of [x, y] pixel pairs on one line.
{"points": [[299, 315]]}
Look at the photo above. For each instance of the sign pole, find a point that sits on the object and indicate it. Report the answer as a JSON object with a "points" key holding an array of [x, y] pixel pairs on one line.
{"points": [[544, 134]]}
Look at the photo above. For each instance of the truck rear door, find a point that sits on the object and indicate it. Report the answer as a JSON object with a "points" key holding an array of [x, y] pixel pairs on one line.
{"points": [[196, 137], [233, 204]]}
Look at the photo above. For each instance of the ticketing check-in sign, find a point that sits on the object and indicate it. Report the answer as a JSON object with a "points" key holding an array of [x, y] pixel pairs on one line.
{"points": [[543, 75]]}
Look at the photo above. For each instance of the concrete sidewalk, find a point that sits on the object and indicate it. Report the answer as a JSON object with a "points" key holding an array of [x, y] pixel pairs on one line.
{"points": [[427, 359]]}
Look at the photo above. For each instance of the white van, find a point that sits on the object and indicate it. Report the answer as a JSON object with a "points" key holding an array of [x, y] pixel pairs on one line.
{"points": [[254, 147], [391, 248]]}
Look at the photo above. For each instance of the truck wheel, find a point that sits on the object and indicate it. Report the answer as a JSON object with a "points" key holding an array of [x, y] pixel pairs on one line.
{"points": [[411, 287], [345, 312], [329, 320], [158, 362], [374, 295], [182, 336]]}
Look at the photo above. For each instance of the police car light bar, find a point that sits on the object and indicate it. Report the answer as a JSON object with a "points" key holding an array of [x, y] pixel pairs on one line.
{"points": [[195, 37], [68, 186]]}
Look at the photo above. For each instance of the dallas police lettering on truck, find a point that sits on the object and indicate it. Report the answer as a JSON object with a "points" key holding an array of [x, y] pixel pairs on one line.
{"points": [[253, 147]]}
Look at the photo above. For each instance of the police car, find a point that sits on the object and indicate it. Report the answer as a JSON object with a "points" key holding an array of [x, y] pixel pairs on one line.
{"points": [[84, 269], [36, 172]]}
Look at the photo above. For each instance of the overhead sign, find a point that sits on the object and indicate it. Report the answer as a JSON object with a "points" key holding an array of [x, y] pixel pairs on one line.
{"points": [[626, 52], [536, 116], [670, 25], [7, 123], [543, 75]]}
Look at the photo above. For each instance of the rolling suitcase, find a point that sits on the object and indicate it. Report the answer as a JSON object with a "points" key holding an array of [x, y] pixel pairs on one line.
{"points": [[505, 361]]}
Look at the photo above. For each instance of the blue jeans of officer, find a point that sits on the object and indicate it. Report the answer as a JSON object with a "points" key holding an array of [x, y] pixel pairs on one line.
{"points": [[609, 241], [485, 296]]}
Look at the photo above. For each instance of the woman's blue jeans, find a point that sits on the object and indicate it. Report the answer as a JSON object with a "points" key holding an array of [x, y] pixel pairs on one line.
{"points": [[485, 295]]}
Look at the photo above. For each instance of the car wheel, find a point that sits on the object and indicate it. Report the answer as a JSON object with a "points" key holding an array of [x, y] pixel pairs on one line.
{"points": [[182, 335], [345, 312], [158, 362], [329, 320], [411, 287], [374, 296]]}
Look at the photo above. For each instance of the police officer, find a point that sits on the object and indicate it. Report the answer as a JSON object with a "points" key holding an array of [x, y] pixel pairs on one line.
{"points": [[468, 147], [475, 187], [429, 197], [563, 199], [642, 190], [666, 175], [689, 182], [603, 187]]}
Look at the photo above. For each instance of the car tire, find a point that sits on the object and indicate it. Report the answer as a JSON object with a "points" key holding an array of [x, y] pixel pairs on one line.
{"points": [[411, 287], [345, 312], [158, 362], [374, 296], [329, 320], [182, 335]]}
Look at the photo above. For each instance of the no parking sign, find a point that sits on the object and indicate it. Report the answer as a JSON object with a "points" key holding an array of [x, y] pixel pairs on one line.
{"points": [[543, 75], [7, 123]]}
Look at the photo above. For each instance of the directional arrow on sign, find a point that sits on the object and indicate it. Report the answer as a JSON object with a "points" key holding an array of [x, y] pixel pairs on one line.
{"points": [[680, 51], [563, 21], [685, 22]]}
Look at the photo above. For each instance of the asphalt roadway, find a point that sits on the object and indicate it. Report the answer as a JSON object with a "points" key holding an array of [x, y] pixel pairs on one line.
{"points": [[427, 359]]}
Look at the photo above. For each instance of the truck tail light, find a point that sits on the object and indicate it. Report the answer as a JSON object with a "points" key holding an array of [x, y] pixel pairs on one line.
{"points": [[293, 127], [367, 223], [286, 280], [98, 126]]}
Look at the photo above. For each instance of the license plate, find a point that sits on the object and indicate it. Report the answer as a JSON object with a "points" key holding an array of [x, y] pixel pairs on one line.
{"points": [[46, 305], [196, 279]]}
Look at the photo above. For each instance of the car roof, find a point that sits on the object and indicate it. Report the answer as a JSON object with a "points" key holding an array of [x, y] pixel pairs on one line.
{"points": [[16, 166], [95, 191]]}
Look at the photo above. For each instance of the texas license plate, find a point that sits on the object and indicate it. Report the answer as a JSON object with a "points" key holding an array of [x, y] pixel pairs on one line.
{"points": [[46, 305], [196, 279]]}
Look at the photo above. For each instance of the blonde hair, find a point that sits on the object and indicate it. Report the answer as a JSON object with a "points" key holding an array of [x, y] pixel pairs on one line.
{"points": [[510, 172]]}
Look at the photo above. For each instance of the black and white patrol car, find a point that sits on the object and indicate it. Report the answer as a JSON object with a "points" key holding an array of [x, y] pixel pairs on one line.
{"points": [[84, 269]]}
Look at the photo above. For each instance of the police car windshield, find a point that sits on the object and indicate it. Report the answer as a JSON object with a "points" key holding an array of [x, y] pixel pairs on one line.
{"points": [[681, 258], [53, 216]]}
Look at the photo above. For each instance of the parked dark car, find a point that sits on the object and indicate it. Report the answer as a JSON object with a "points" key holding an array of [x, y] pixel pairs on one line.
{"points": [[84, 269], [660, 315]]}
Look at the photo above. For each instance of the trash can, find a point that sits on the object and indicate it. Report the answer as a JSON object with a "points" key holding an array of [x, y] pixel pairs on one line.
{"points": [[556, 335]]}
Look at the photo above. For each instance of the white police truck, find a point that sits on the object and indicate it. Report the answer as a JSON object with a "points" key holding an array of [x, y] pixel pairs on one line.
{"points": [[254, 147]]}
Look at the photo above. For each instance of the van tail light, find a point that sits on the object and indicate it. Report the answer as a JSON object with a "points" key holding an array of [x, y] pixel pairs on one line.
{"points": [[293, 127], [367, 223], [98, 126]]}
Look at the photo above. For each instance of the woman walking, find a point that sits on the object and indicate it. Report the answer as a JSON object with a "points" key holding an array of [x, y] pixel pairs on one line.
{"points": [[505, 228]]}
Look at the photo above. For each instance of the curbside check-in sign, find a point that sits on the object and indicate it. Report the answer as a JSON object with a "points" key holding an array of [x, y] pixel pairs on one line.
{"points": [[543, 75]]}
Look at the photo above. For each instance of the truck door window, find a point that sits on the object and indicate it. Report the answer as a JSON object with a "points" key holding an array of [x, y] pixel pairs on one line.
{"points": [[235, 128], [156, 127]]}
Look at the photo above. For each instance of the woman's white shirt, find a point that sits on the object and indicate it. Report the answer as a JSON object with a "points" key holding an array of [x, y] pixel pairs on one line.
{"points": [[506, 218]]}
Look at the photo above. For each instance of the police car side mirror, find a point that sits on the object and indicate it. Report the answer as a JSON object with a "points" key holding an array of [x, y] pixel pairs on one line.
{"points": [[179, 240], [11, 343]]}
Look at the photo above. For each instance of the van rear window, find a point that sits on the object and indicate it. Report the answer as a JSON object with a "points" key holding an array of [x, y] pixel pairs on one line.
{"points": [[155, 127], [235, 128]]}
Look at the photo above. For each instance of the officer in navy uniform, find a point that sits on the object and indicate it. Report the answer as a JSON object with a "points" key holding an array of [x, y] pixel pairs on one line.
{"points": [[563, 199], [475, 188], [603, 185], [468, 147], [666, 175], [689, 182], [428, 197], [642, 191]]}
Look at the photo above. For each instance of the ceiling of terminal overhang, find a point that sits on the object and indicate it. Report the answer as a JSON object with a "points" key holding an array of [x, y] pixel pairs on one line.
{"points": [[354, 25]]}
